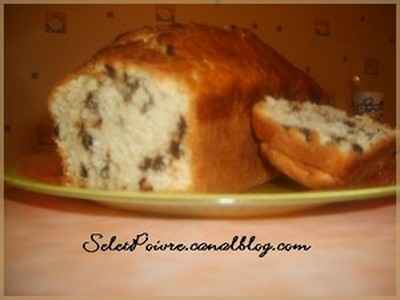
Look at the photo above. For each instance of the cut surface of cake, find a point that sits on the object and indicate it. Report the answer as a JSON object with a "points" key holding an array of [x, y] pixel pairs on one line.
{"points": [[320, 146], [116, 128]]}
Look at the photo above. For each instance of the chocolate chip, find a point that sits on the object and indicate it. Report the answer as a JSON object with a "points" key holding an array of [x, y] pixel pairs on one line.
{"points": [[144, 185], [147, 104], [133, 86], [370, 135], [90, 103], [105, 172], [126, 77], [87, 140], [170, 50], [83, 171], [338, 139], [296, 107], [307, 133], [98, 123], [174, 149], [158, 163], [57, 131], [145, 164], [181, 127], [349, 123], [110, 71], [357, 148]]}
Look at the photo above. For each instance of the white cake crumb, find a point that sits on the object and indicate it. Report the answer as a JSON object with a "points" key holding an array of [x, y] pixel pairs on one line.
{"points": [[334, 126]]}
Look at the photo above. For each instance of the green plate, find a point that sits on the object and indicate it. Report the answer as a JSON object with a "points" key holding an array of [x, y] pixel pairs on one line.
{"points": [[280, 196]]}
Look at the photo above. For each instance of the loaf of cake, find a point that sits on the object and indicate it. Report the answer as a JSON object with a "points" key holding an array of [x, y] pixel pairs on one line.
{"points": [[322, 147], [168, 108]]}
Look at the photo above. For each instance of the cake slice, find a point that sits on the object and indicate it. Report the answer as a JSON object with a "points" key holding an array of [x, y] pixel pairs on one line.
{"points": [[320, 146]]}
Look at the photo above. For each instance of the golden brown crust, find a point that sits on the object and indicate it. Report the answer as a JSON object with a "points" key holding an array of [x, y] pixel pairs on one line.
{"points": [[215, 62], [316, 165], [376, 168], [228, 158], [226, 70], [307, 175]]}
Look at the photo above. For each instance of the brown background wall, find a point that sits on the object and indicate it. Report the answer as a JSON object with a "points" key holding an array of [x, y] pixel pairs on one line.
{"points": [[351, 39]]}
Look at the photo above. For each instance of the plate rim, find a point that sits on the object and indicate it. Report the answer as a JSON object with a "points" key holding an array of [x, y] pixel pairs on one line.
{"points": [[182, 198]]}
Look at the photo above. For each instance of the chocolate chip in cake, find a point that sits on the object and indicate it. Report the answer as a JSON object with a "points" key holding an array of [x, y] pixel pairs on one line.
{"points": [[148, 103], [370, 135], [145, 164], [87, 140], [351, 124], [181, 127], [144, 185], [174, 146], [127, 97], [56, 131], [90, 103], [105, 172], [174, 149], [338, 139], [307, 133], [169, 50], [158, 163], [83, 171], [133, 86], [357, 148], [296, 107], [98, 123], [126, 77], [110, 71]]}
